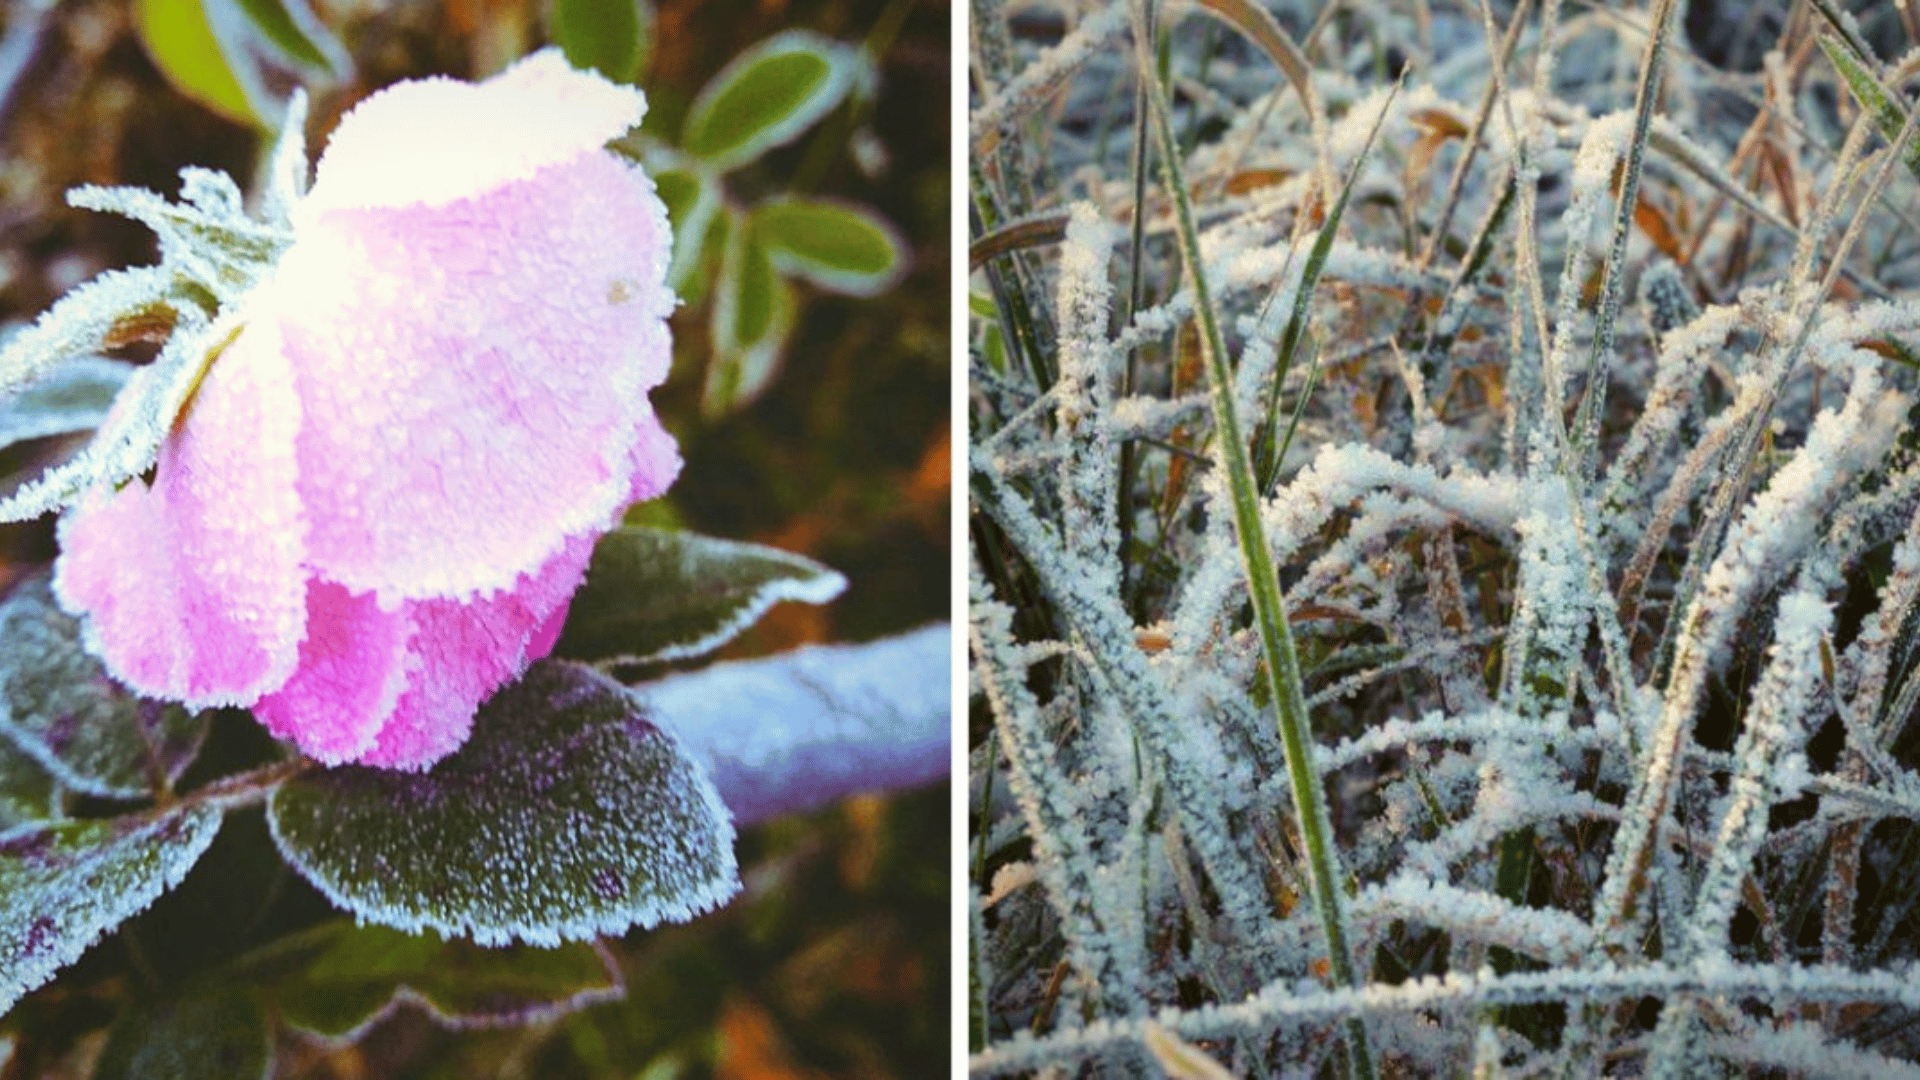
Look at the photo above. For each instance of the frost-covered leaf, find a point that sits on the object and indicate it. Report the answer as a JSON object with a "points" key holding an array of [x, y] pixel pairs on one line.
{"points": [[130, 437], [768, 95], [791, 732], [848, 249], [1888, 115], [613, 37], [74, 397], [210, 1031], [361, 973], [79, 323], [1179, 1059], [567, 814], [656, 594], [63, 886], [58, 705], [26, 790]]}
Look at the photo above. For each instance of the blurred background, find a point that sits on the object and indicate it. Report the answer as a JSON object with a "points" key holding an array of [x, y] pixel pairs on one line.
{"points": [[812, 414]]}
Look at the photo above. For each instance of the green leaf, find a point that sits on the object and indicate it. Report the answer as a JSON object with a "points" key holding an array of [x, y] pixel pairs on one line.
{"points": [[752, 316], [737, 376], [613, 37], [743, 310], [361, 973], [847, 249], [211, 1031], [567, 814], [26, 791], [179, 38], [1888, 115], [652, 594], [220, 53], [693, 202], [130, 435], [767, 96], [74, 397], [63, 886], [290, 29], [59, 707]]}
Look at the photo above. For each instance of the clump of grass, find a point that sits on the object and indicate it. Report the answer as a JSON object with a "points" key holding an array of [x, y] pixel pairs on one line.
{"points": [[1445, 541]]}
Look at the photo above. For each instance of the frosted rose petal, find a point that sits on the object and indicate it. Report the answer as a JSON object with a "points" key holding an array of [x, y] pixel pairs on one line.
{"points": [[193, 587], [351, 674], [415, 143], [475, 377], [462, 653], [655, 460]]}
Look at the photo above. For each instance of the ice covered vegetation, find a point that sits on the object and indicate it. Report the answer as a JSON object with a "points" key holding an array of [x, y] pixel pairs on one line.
{"points": [[384, 450], [1446, 539]]}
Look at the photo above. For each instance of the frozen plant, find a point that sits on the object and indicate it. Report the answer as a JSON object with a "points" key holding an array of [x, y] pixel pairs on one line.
{"points": [[1446, 531], [372, 490]]}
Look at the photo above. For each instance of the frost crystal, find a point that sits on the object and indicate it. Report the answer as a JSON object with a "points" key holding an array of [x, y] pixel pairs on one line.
{"points": [[424, 398], [1597, 534]]}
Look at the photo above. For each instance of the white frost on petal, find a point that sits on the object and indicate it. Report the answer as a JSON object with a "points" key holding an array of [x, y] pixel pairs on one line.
{"points": [[414, 143]]}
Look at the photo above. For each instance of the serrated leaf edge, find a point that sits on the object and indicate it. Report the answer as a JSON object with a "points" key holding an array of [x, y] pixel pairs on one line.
{"points": [[200, 839], [697, 900], [404, 995], [825, 584]]}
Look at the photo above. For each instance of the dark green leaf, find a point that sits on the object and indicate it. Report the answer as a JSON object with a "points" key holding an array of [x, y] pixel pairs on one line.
{"points": [[362, 972], [696, 265], [678, 189], [566, 814], [693, 202], [63, 886], [743, 311], [293, 32], [612, 37], [58, 705], [652, 594], [26, 790], [752, 316], [848, 249], [766, 96], [212, 1031], [73, 397]]}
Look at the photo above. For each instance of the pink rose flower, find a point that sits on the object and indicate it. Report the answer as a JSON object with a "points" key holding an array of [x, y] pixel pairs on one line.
{"points": [[384, 492]]}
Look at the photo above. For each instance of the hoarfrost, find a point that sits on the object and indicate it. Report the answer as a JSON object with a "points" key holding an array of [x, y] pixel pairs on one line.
{"points": [[1545, 553]]}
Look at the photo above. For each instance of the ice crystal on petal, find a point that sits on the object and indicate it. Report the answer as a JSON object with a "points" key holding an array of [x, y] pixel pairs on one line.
{"points": [[430, 142], [380, 468]]}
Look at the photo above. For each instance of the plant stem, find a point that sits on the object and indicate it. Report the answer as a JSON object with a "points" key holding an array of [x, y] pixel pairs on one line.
{"points": [[1263, 582]]}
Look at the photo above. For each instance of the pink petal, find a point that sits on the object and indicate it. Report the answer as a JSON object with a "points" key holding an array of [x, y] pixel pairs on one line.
{"points": [[432, 141], [547, 634], [353, 668], [462, 653], [192, 588], [475, 376], [655, 460]]}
